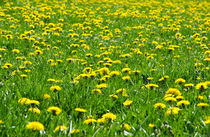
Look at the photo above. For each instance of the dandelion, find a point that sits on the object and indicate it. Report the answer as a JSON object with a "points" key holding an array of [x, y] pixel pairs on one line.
{"points": [[173, 110], [23, 100], [74, 131], [101, 86], [54, 110], [89, 121], [113, 96], [80, 110], [203, 105], [110, 116], [60, 128], [127, 103], [35, 110], [151, 125], [46, 96], [96, 91], [170, 99], [151, 86], [1, 122], [180, 81], [173, 91], [35, 126], [55, 88], [126, 78], [183, 103], [160, 105], [188, 85], [32, 102], [125, 127], [201, 86]]}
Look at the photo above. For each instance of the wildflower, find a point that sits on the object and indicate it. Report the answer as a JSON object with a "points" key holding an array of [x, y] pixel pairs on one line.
{"points": [[80, 110], [101, 120], [179, 97], [160, 105], [207, 120], [74, 131], [173, 91], [203, 105], [201, 86], [183, 103], [126, 78], [32, 102], [101, 86], [173, 110], [127, 103], [109, 116], [55, 88], [114, 73], [35, 110], [200, 97], [113, 96], [180, 81], [46, 96], [96, 91], [35, 126], [23, 100], [38, 52], [8, 65], [88, 121], [151, 86], [23, 75], [60, 128], [16, 51], [151, 125], [120, 90], [170, 99], [136, 72], [54, 110], [126, 70], [188, 85], [125, 126], [1, 122]]}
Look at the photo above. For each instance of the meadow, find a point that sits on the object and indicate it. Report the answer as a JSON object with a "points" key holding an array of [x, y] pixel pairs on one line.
{"points": [[104, 68]]}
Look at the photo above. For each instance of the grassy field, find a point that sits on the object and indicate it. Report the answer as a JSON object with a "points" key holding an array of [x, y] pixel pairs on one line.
{"points": [[104, 68]]}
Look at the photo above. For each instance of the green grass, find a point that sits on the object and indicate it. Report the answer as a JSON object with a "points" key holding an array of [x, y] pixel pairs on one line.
{"points": [[35, 26]]}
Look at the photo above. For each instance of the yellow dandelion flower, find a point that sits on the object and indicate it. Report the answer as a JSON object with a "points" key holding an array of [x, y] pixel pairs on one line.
{"points": [[201, 86], [35, 110], [125, 127], [110, 116], [173, 110], [170, 99], [173, 91], [81, 110], [151, 125], [23, 100], [74, 131], [160, 105], [35, 126], [89, 121], [60, 128], [183, 103], [203, 105], [54, 110], [55, 88], [127, 103], [151, 86], [180, 81], [46, 96]]}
